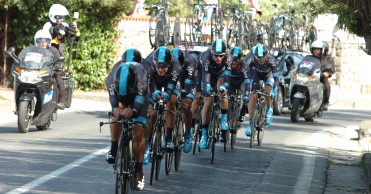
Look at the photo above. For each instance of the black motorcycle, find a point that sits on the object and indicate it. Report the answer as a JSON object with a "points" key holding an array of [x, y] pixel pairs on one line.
{"points": [[35, 88]]}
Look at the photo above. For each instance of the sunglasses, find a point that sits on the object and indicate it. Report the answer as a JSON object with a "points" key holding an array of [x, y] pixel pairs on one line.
{"points": [[40, 40], [59, 17], [220, 56]]}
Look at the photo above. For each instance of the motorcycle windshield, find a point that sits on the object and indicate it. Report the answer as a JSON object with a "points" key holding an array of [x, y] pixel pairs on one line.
{"points": [[308, 65], [35, 58]]}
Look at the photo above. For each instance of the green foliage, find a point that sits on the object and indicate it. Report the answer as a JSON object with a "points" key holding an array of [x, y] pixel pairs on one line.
{"points": [[93, 55]]}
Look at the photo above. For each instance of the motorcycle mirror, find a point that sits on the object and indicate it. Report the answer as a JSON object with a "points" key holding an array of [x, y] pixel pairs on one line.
{"points": [[60, 59], [9, 52]]}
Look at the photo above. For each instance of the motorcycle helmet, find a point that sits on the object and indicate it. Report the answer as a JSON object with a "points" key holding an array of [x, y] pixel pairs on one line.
{"points": [[236, 53], [125, 79], [131, 55], [178, 54], [316, 44], [218, 47], [57, 10], [42, 35], [162, 57]]}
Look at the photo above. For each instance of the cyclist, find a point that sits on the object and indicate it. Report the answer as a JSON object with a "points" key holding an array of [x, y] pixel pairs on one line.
{"points": [[327, 69], [239, 79], [43, 39], [58, 28], [187, 83], [166, 75], [264, 68], [130, 55], [129, 96], [214, 72]]}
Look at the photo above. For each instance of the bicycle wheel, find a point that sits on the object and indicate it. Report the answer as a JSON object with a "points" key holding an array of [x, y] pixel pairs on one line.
{"points": [[235, 126], [219, 23], [153, 155], [212, 138], [187, 32], [152, 29], [227, 135], [198, 131], [169, 159], [261, 124], [159, 153], [122, 165], [176, 38], [231, 31], [160, 35], [179, 141], [195, 26], [255, 123]]}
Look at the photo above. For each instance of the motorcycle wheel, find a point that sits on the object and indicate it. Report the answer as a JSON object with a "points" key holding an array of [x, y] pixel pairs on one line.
{"points": [[24, 116], [278, 102], [295, 111], [45, 126]]}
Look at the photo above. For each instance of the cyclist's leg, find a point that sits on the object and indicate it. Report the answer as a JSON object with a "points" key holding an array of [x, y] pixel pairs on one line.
{"points": [[148, 132], [253, 98], [170, 120], [187, 119], [138, 147], [269, 82], [194, 108], [115, 130], [223, 103]]}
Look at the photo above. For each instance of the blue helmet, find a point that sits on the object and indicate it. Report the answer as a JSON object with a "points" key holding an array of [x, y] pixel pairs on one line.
{"points": [[131, 55], [218, 47], [236, 53], [125, 79], [260, 51], [178, 54], [162, 57]]}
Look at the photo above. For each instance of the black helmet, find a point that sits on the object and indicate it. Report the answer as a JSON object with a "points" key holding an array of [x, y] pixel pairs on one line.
{"points": [[218, 47], [236, 53], [178, 54], [162, 57], [260, 51], [125, 79], [131, 55], [325, 47]]}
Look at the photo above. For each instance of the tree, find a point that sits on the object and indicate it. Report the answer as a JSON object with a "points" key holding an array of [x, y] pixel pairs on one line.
{"points": [[354, 16]]}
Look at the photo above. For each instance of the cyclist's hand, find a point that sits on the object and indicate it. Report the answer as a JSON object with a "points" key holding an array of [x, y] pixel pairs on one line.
{"points": [[127, 112], [165, 96], [156, 95], [183, 93], [222, 88], [208, 89], [246, 98]]}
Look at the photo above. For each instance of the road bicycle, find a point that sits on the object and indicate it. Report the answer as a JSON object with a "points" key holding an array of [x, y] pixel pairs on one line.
{"points": [[124, 167], [159, 25], [307, 34], [233, 117], [234, 27], [198, 126], [217, 25], [214, 130], [157, 144], [177, 139], [258, 119], [198, 24]]}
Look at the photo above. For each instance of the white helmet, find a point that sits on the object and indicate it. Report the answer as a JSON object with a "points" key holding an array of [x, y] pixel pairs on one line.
{"points": [[42, 34], [316, 44], [57, 9]]}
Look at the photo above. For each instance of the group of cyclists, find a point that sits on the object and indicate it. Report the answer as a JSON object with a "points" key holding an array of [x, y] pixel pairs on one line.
{"points": [[135, 84]]}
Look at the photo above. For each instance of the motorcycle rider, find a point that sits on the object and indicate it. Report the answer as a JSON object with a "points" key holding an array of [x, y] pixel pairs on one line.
{"points": [[60, 29], [187, 82], [43, 39], [129, 96], [264, 68], [327, 69], [130, 55]]}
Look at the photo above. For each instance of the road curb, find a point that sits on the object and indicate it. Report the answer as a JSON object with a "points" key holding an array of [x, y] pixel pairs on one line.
{"points": [[366, 158], [365, 139]]}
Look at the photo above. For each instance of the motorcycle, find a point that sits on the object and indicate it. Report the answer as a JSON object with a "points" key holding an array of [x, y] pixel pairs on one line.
{"points": [[35, 88], [306, 90]]}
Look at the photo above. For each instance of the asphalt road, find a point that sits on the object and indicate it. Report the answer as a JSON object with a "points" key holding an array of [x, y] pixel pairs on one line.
{"points": [[69, 157]]}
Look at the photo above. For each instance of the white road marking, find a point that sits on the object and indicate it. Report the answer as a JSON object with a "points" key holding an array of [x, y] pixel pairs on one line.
{"points": [[305, 177], [58, 172]]}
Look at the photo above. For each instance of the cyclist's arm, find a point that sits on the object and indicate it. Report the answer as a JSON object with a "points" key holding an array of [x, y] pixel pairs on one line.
{"points": [[112, 94], [246, 74], [205, 73], [175, 72], [272, 62], [191, 68], [140, 105], [227, 70]]}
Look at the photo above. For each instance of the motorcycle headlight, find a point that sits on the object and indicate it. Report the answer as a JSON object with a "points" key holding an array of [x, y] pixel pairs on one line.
{"points": [[30, 76]]}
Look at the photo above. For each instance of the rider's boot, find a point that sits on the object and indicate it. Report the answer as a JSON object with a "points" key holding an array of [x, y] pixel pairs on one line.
{"points": [[204, 139], [268, 117], [248, 128]]}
